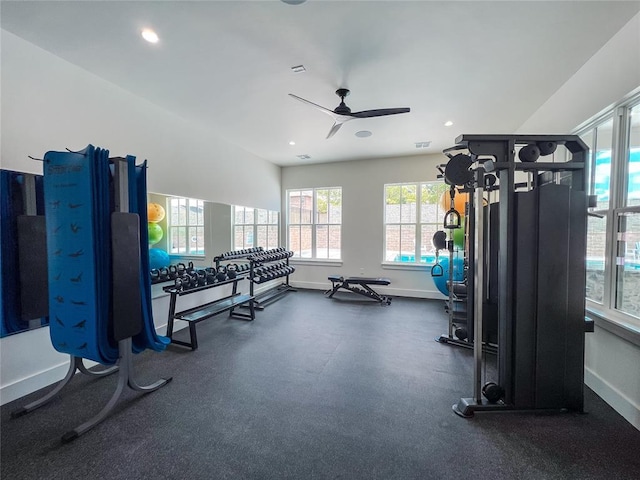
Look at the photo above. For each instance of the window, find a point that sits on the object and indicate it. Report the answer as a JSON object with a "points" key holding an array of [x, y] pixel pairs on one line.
{"points": [[315, 222], [255, 227], [186, 226], [613, 232], [412, 214]]}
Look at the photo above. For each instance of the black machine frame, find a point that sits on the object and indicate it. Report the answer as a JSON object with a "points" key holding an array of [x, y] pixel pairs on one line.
{"points": [[540, 272]]}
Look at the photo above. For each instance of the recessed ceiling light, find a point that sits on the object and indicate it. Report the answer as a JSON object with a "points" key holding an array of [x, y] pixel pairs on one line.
{"points": [[448, 123], [294, 2], [298, 69], [292, 143], [363, 133], [150, 36]]}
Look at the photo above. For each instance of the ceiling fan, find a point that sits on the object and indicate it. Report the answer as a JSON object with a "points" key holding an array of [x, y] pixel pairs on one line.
{"points": [[342, 113]]}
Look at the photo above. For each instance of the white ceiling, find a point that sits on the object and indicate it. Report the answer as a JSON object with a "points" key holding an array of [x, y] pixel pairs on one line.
{"points": [[486, 66]]}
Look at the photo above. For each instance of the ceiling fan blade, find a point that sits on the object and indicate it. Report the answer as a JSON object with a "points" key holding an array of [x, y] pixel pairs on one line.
{"points": [[334, 129], [380, 112], [322, 109]]}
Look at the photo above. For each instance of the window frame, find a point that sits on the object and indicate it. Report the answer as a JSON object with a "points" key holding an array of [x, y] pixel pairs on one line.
{"points": [[617, 205], [254, 227], [418, 224], [172, 228], [313, 224]]}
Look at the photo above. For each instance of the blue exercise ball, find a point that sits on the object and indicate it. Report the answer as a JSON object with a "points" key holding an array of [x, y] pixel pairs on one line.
{"points": [[158, 258], [458, 273]]}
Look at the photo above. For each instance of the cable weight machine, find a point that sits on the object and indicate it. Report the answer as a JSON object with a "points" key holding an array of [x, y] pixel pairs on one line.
{"points": [[540, 227]]}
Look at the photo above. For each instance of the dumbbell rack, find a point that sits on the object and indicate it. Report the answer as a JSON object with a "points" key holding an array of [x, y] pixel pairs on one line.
{"points": [[260, 272], [236, 255]]}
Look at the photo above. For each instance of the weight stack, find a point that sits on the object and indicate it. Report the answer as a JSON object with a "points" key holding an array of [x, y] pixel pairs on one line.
{"points": [[548, 298]]}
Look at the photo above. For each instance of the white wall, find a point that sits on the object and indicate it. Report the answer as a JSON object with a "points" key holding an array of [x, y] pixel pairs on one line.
{"points": [[50, 104], [612, 364], [362, 185]]}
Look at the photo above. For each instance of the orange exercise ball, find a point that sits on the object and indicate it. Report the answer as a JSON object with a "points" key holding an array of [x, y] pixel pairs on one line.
{"points": [[458, 202], [155, 212]]}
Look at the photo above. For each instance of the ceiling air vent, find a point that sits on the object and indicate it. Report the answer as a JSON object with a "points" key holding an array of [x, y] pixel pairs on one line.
{"points": [[303, 157], [423, 144]]}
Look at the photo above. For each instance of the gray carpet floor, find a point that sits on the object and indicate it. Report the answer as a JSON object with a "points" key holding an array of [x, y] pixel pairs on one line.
{"points": [[313, 388]]}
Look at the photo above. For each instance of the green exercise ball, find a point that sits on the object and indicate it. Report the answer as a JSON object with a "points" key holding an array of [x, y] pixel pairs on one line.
{"points": [[155, 233]]}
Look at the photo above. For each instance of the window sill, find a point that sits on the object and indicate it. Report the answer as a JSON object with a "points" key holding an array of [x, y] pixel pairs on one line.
{"points": [[178, 256], [406, 266], [318, 262], [616, 324]]}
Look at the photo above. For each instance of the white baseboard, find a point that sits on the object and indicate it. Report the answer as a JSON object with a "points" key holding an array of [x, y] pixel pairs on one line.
{"points": [[389, 291], [618, 401], [27, 385]]}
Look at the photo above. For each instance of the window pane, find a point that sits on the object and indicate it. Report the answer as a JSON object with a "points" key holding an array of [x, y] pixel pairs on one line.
{"points": [[430, 208], [602, 168], [427, 251], [249, 215], [305, 241], [174, 209], [294, 240], [200, 212], [322, 206], [273, 238], [295, 204], [633, 178], [182, 211], [392, 203], [239, 215], [335, 235], [322, 241], [628, 264], [262, 237], [238, 237], [192, 212], [392, 243], [306, 206], [273, 217], [248, 236], [408, 242], [408, 204], [263, 216], [335, 206], [596, 239]]}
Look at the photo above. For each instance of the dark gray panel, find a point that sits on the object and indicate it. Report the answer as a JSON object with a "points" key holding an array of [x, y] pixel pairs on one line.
{"points": [[127, 299], [552, 304], [524, 294], [32, 258]]}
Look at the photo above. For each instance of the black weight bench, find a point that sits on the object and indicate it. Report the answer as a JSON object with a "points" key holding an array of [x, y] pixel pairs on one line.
{"points": [[359, 285]]}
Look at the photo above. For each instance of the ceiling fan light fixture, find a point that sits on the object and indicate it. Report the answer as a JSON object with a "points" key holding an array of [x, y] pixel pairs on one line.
{"points": [[363, 134], [149, 35]]}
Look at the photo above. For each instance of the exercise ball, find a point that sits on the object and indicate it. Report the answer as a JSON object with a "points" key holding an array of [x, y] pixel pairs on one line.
{"points": [[458, 274], [458, 202], [158, 258], [458, 235], [155, 212], [155, 233]]}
